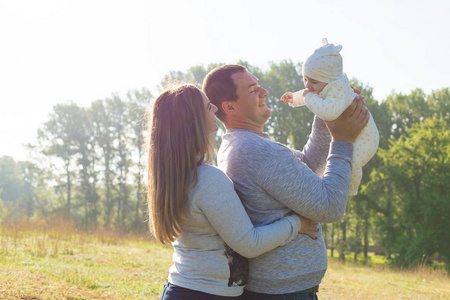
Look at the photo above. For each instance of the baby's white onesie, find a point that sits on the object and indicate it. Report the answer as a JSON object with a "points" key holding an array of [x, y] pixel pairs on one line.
{"points": [[336, 96]]}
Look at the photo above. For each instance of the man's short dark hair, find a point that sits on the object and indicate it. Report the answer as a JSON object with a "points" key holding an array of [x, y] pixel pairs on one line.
{"points": [[218, 86]]}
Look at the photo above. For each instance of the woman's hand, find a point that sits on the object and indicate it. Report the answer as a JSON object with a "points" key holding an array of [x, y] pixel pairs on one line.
{"points": [[308, 227]]}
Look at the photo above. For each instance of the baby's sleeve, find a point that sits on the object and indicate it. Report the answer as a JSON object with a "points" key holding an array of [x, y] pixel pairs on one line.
{"points": [[298, 99], [337, 99]]}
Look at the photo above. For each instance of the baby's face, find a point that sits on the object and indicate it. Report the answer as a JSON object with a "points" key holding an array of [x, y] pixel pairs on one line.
{"points": [[312, 84]]}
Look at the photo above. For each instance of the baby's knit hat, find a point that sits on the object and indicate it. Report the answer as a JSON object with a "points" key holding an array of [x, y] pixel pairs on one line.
{"points": [[325, 64]]}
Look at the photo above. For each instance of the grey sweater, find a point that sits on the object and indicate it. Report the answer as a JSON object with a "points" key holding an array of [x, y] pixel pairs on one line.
{"points": [[273, 180], [214, 215]]}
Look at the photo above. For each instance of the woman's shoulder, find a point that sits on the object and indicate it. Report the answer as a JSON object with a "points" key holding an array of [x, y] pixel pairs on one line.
{"points": [[212, 182], [211, 173]]}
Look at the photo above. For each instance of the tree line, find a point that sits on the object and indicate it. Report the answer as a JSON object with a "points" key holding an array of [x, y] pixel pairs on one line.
{"points": [[89, 167]]}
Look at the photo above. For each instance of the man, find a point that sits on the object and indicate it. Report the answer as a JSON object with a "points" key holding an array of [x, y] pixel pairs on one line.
{"points": [[273, 180]]}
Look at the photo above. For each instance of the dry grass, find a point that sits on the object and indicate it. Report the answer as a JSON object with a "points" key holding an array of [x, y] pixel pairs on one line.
{"points": [[17, 284], [61, 263], [350, 281]]}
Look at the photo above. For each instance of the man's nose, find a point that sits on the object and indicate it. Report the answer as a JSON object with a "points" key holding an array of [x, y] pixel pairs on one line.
{"points": [[264, 92]]}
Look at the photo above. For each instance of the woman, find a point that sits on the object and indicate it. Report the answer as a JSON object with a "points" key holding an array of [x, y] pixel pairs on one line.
{"points": [[193, 204]]}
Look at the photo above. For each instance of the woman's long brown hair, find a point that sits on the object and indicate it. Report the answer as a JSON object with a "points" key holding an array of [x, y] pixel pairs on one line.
{"points": [[178, 143]]}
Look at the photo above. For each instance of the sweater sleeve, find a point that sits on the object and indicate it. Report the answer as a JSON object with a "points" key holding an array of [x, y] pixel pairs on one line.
{"points": [[224, 210], [316, 150], [292, 183], [298, 99]]}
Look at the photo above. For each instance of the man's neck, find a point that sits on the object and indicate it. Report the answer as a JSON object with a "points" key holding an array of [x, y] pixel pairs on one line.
{"points": [[235, 124]]}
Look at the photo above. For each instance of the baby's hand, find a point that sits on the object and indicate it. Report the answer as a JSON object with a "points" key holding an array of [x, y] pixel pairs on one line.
{"points": [[287, 97], [306, 91]]}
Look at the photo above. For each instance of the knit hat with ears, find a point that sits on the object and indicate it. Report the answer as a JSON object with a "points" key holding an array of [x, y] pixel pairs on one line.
{"points": [[325, 64]]}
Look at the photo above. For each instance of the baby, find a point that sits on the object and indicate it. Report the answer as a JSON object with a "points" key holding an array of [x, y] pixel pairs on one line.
{"points": [[328, 93]]}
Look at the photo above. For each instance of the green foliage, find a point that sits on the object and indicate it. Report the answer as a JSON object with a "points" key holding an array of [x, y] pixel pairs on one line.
{"points": [[412, 186], [11, 180], [406, 110], [379, 110], [95, 159], [3, 209], [439, 102], [16, 190], [194, 75]]}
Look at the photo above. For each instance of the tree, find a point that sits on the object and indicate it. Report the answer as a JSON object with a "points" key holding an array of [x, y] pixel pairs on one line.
{"points": [[11, 180], [103, 132], [120, 125], [37, 179], [194, 75], [83, 139], [16, 188], [439, 102], [138, 102], [358, 208], [56, 139], [412, 184], [406, 110]]}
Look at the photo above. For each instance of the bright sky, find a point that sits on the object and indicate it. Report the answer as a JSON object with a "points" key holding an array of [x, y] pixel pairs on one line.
{"points": [[54, 51]]}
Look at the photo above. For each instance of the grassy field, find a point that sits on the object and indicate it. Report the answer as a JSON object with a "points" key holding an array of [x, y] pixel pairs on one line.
{"points": [[64, 264]]}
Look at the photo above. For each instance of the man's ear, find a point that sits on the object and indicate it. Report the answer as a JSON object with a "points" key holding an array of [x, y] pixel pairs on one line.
{"points": [[228, 108]]}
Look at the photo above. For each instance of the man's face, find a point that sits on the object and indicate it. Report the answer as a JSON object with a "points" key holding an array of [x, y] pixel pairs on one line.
{"points": [[250, 105]]}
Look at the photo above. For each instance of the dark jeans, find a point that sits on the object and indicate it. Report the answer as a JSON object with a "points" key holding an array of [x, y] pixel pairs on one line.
{"points": [[302, 295], [173, 292]]}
